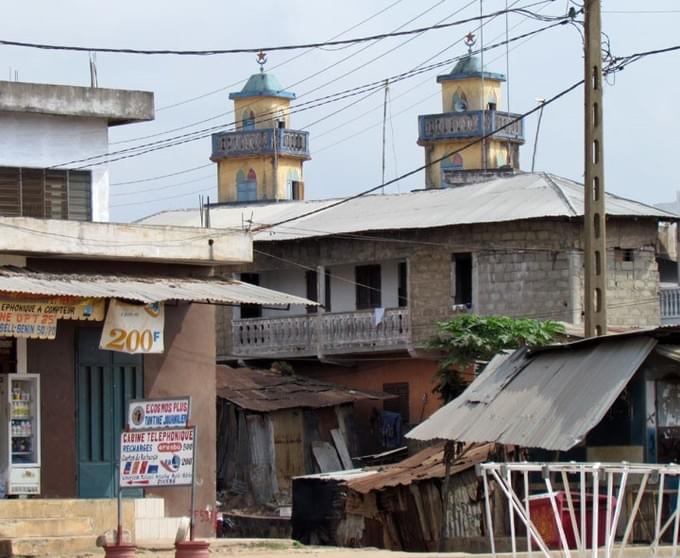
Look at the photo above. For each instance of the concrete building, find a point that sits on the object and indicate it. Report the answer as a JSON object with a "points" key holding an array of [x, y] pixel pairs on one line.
{"points": [[482, 237], [59, 276], [48, 135]]}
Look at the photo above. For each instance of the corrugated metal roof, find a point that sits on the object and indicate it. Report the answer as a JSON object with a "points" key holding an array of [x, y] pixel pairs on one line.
{"points": [[426, 464], [266, 391], [547, 399], [141, 288], [524, 196]]}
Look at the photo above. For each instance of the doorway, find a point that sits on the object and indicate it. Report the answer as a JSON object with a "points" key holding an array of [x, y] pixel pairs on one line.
{"points": [[105, 382]]}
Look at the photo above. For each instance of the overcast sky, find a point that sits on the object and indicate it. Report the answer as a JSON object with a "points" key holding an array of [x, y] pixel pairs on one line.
{"points": [[640, 111]]}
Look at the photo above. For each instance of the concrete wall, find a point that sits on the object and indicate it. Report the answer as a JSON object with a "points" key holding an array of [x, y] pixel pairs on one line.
{"points": [[227, 170], [187, 367], [524, 268], [41, 141]]}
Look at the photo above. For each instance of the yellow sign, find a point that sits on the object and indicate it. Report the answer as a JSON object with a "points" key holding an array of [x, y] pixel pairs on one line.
{"points": [[37, 317], [133, 328]]}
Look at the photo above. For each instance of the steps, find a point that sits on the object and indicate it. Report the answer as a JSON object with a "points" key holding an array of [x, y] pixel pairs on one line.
{"points": [[36, 527]]}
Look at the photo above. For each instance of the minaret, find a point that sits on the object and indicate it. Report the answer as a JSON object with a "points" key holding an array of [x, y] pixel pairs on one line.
{"points": [[262, 160], [471, 98]]}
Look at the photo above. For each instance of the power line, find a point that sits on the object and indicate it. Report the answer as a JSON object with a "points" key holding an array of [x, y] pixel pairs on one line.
{"points": [[213, 52], [200, 134], [426, 165], [149, 179]]}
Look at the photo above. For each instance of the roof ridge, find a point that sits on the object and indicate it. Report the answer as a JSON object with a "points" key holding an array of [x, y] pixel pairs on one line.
{"points": [[560, 192]]}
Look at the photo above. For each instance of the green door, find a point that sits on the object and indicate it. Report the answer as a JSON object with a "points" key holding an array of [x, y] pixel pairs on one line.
{"points": [[106, 381]]}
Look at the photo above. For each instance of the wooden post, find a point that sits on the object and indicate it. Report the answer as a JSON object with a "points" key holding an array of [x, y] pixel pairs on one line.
{"points": [[595, 239]]}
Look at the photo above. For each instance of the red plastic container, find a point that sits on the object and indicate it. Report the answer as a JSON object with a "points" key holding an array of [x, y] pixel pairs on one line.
{"points": [[543, 518]]}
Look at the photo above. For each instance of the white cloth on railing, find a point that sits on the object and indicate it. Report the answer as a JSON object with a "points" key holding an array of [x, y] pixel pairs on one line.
{"points": [[378, 315]]}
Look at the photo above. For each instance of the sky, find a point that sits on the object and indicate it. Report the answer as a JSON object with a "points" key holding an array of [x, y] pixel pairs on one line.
{"points": [[191, 93]]}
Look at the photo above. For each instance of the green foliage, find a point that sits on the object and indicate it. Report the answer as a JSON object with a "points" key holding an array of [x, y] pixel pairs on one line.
{"points": [[469, 338]]}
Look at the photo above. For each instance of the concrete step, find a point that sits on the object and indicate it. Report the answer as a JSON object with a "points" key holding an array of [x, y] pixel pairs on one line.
{"points": [[46, 527], [47, 546]]}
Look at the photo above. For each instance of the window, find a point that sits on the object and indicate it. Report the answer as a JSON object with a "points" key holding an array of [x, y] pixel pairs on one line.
{"points": [[400, 403], [327, 291], [460, 102], [246, 186], [251, 310], [50, 194], [367, 279], [402, 284], [312, 289], [624, 254], [248, 120], [461, 279]]}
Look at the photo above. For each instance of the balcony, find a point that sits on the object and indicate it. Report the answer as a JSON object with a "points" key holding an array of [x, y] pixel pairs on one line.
{"points": [[246, 143], [669, 299], [462, 125], [325, 334]]}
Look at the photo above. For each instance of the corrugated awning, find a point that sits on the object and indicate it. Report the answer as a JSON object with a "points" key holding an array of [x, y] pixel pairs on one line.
{"points": [[548, 399], [144, 289]]}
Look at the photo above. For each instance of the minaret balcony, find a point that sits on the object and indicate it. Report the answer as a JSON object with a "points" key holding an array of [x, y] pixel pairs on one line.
{"points": [[268, 141], [470, 124]]}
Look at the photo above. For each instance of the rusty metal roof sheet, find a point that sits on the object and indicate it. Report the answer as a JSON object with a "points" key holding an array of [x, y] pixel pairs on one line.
{"points": [[523, 196], [266, 391], [549, 398], [426, 464], [141, 288]]}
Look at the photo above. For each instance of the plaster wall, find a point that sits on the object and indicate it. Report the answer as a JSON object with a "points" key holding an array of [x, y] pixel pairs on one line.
{"points": [[41, 141], [267, 111], [264, 169], [497, 155], [290, 281], [187, 367], [472, 87]]}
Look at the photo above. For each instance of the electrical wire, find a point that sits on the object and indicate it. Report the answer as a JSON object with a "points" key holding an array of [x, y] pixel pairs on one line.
{"points": [[253, 50]]}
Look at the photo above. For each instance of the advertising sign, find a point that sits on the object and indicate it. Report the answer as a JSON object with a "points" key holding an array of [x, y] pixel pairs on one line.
{"points": [[37, 317], [157, 457], [159, 413], [133, 328]]}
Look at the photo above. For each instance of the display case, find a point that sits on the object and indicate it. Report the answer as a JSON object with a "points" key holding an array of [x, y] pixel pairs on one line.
{"points": [[20, 434]]}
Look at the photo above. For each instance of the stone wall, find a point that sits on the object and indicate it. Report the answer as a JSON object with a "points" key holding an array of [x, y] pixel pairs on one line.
{"points": [[531, 268]]}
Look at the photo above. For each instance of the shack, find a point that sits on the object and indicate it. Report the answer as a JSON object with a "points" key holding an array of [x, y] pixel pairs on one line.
{"points": [[273, 426], [396, 507]]}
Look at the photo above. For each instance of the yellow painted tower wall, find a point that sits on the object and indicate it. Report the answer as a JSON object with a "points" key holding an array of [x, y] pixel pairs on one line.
{"points": [[267, 111], [497, 156], [472, 87], [288, 168]]}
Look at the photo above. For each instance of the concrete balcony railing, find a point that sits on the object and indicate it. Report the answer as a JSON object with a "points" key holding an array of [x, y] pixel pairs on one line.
{"points": [[325, 334], [244, 143], [470, 124], [669, 300]]}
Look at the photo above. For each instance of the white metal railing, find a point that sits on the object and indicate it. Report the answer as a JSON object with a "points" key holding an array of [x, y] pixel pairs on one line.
{"points": [[669, 300], [324, 333], [620, 489]]}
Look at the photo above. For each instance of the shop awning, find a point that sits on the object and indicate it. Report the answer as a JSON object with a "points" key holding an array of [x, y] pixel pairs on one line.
{"points": [[139, 288]]}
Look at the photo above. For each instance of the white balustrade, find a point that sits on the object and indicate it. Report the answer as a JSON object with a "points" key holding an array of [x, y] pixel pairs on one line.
{"points": [[669, 299], [325, 333]]}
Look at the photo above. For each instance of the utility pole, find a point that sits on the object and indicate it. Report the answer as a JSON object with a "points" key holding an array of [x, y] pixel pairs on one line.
{"points": [[595, 238], [384, 124]]}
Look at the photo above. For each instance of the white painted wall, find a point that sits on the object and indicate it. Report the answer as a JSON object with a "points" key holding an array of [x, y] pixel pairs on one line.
{"points": [[288, 281], [41, 141]]}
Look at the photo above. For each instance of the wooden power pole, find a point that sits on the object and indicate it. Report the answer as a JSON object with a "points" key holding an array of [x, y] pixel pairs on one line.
{"points": [[595, 238]]}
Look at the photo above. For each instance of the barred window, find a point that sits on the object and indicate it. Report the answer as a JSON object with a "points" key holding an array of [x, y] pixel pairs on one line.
{"points": [[45, 193]]}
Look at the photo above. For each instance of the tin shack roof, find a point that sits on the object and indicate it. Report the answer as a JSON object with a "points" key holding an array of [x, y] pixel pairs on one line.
{"points": [[548, 398], [266, 391]]}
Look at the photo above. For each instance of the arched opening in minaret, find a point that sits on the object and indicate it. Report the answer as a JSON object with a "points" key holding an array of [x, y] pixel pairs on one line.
{"points": [[248, 120], [459, 101], [291, 176], [246, 186]]}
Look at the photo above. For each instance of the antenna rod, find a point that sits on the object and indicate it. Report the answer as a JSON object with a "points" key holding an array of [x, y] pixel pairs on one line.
{"points": [[387, 81]]}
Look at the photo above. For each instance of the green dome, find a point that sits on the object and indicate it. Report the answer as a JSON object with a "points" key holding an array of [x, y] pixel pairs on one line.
{"points": [[467, 67], [262, 85]]}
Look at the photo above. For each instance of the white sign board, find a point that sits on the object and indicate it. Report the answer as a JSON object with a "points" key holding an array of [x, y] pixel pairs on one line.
{"points": [[133, 328], [158, 413], [157, 457]]}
